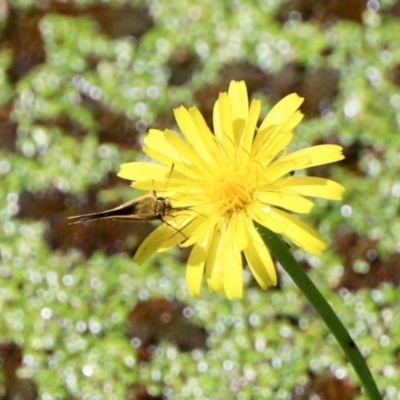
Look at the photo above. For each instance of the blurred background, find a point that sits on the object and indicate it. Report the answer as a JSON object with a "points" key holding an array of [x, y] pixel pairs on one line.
{"points": [[81, 83]]}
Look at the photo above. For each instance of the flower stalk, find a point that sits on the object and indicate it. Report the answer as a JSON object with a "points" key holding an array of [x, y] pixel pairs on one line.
{"points": [[281, 252]]}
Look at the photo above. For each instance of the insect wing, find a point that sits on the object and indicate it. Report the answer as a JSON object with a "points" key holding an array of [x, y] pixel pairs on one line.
{"points": [[137, 209]]}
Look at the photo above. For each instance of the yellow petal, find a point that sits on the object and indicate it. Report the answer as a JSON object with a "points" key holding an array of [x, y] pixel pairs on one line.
{"points": [[208, 138], [196, 222], [167, 148], [187, 228], [305, 158], [275, 138], [178, 166], [171, 144], [291, 202], [272, 147], [259, 259], [181, 199], [262, 214], [217, 122], [222, 119], [239, 100], [178, 230], [292, 122], [152, 243], [310, 186], [251, 124], [319, 155], [200, 228], [160, 156], [232, 278], [239, 103], [282, 111], [197, 135], [168, 187], [190, 155], [232, 268], [195, 267], [135, 171], [239, 224], [301, 234], [157, 140], [283, 166], [213, 267]]}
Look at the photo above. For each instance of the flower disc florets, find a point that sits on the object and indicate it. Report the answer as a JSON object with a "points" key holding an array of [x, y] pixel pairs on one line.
{"points": [[231, 191]]}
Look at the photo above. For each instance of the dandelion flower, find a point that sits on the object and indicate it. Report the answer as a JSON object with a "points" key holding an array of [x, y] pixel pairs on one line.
{"points": [[227, 180]]}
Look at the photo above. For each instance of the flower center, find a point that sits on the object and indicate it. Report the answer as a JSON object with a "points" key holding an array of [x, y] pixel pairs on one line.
{"points": [[231, 191]]}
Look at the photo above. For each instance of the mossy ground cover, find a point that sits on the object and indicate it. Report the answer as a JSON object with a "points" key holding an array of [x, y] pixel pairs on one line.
{"points": [[81, 83]]}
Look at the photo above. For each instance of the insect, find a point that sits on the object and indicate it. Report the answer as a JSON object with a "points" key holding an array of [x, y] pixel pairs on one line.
{"points": [[149, 207]]}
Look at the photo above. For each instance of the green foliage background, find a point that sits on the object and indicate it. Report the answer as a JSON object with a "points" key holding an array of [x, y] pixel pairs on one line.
{"points": [[69, 312]]}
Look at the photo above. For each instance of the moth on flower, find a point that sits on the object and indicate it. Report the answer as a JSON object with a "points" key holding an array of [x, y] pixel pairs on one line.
{"points": [[149, 207], [224, 181]]}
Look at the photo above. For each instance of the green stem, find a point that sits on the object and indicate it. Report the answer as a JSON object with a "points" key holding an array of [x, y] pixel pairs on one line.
{"points": [[281, 252]]}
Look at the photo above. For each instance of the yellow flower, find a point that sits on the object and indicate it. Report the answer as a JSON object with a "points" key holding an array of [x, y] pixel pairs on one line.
{"points": [[228, 180]]}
